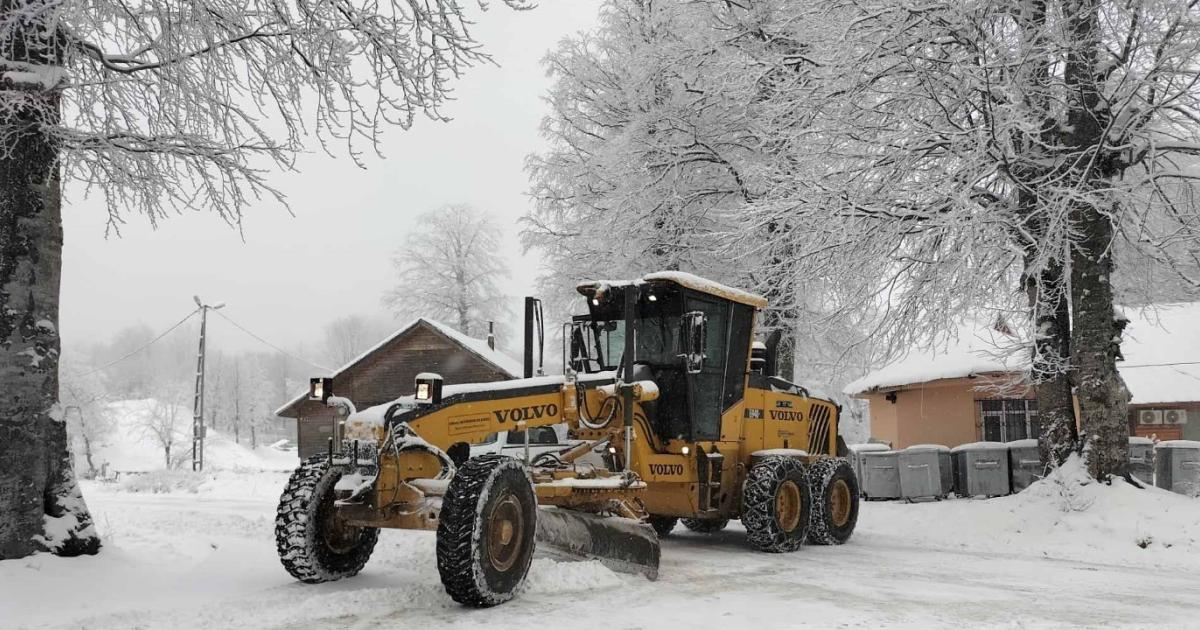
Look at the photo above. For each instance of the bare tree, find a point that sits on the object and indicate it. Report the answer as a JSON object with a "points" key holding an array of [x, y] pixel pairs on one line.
{"points": [[162, 107], [450, 268], [166, 423], [86, 412], [347, 337]]}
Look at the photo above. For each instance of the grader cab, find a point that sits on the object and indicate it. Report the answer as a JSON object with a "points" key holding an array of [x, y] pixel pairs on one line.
{"points": [[662, 378]]}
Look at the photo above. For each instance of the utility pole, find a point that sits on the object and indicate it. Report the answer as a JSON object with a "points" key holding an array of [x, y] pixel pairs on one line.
{"points": [[198, 428]]}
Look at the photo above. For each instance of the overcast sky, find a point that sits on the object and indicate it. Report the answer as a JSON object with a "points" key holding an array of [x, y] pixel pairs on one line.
{"points": [[294, 274]]}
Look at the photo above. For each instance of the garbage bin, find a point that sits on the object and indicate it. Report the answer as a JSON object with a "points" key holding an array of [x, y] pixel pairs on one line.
{"points": [[980, 469], [1141, 459], [858, 455], [925, 471], [1177, 466], [881, 475], [1024, 463]]}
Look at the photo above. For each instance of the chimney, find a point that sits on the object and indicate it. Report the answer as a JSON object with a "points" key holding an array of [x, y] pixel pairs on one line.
{"points": [[491, 338]]}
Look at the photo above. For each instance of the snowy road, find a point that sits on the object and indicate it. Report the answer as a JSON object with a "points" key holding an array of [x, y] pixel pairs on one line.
{"points": [[208, 561]]}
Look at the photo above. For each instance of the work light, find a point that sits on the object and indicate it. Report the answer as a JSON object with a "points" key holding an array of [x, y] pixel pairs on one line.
{"points": [[428, 388]]}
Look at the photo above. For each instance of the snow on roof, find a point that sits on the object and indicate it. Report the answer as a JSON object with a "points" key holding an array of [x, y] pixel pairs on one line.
{"points": [[941, 448], [708, 286], [513, 367], [975, 349], [478, 347], [1154, 339], [980, 446], [1161, 346]]}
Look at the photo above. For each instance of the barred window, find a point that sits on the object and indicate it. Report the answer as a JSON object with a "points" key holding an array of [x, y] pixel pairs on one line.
{"points": [[1008, 420]]}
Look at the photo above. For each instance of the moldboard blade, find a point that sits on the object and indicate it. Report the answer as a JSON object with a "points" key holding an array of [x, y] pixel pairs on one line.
{"points": [[621, 544]]}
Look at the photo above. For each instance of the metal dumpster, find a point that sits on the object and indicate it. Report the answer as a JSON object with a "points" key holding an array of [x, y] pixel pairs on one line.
{"points": [[881, 475], [1141, 459], [858, 455], [925, 471], [1025, 464], [1177, 466], [980, 469]]}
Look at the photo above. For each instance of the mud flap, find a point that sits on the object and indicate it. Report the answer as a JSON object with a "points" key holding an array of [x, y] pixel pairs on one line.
{"points": [[621, 544]]}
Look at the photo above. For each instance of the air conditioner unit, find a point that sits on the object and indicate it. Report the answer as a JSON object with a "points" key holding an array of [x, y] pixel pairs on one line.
{"points": [[1150, 416], [1174, 416]]}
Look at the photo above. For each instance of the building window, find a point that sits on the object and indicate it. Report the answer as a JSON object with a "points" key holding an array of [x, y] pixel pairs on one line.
{"points": [[1008, 420]]}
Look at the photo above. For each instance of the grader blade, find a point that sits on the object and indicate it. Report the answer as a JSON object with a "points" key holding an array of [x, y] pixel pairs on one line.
{"points": [[621, 544]]}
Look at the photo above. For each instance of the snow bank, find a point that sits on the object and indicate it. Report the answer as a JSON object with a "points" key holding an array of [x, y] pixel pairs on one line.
{"points": [[1067, 515]]}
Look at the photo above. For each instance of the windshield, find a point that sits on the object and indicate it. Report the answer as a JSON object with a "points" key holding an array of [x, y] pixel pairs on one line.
{"points": [[598, 339]]}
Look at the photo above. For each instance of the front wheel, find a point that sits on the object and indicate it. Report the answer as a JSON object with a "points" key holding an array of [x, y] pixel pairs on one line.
{"points": [[314, 544], [663, 525], [485, 531], [776, 503]]}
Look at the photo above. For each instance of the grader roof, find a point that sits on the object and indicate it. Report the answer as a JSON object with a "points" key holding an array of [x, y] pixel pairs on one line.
{"points": [[687, 280]]}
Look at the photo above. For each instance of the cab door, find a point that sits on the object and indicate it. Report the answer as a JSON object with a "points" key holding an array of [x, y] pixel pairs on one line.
{"points": [[705, 388]]}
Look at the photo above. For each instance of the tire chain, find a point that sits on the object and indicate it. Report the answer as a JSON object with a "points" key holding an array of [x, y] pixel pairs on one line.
{"points": [[297, 550], [705, 525], [758, 504], [820, 474]]}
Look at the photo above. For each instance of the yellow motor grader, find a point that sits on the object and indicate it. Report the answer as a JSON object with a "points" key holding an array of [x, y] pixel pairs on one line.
{"points": [[662, 378]]}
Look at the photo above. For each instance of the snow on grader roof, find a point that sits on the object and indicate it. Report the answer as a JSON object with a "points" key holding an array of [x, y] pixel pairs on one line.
{"points": [[689, 281]]}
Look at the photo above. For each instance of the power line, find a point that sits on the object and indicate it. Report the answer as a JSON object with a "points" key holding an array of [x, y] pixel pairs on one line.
{"points": [[1160, 364], [143, 347], [271, 345]]}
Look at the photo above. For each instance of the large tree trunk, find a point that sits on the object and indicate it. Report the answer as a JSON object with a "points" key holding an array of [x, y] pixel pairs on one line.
{"points": [[1044, 278], [40, 505], [1096, 332], [1096, 345], [1049, 373]]}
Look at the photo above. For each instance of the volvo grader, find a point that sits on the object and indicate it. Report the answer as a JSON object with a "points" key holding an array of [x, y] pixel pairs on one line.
{"points": [[662, 377]]}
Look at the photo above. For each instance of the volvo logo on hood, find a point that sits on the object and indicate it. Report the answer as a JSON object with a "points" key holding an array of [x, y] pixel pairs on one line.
{"points": [[517, 414]]}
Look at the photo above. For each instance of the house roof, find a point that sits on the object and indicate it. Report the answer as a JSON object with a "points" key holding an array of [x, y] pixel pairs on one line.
{"points": [[973, 349], [479, 347], [1161, 347]]}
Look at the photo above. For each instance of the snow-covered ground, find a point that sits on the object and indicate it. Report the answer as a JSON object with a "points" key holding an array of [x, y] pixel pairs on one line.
{"points": [[1058, 555], [131, 445]]}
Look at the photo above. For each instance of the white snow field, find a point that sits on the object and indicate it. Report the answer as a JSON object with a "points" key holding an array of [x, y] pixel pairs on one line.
{"points": [[1058, 555]]}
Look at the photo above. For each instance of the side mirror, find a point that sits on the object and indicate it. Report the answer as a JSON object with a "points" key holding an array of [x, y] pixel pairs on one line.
{"points": [[695, 341]]}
